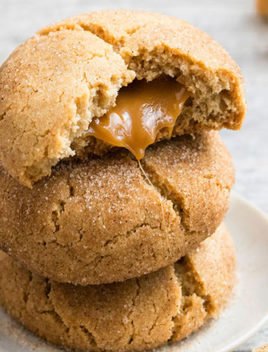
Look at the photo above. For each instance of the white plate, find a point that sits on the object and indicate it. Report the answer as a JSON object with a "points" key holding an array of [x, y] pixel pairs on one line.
{"points": [[245, 314]]}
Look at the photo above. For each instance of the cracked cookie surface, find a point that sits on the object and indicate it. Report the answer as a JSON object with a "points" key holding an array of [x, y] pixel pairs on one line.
{"points": [[110, 219], [137, 314], [55, 83]]}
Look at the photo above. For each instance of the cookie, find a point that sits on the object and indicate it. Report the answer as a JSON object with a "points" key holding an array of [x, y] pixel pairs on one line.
{"points": [[56, 84], [111, 218], [262, 8], [137, 314]]}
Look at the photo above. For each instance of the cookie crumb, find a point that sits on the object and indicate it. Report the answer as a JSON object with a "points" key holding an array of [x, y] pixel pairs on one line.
{"points": [[265, 347]]}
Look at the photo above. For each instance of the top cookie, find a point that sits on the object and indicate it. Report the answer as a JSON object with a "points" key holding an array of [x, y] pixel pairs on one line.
{"points": [[56, 83]]}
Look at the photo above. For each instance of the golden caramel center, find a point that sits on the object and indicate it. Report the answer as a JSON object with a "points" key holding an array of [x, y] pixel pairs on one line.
{"points": [[142, 110]]}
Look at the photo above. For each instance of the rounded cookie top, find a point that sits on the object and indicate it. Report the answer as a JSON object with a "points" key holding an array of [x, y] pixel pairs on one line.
{"points": [[137, 314], [53, 85], [110, 219]]}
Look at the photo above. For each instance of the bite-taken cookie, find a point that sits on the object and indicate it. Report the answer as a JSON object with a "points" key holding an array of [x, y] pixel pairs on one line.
{"points": [[137, 314], [111, 78], [110, 218]]}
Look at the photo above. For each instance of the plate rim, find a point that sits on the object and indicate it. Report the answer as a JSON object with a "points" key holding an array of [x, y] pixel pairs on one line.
{"points": [[235, 196]]}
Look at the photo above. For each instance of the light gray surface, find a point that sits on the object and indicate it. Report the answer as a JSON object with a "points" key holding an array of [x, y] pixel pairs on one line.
{"points": [[234, 24]]}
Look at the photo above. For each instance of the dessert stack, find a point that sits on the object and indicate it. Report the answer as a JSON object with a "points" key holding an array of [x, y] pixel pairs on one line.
{"points": [[114, 181]]}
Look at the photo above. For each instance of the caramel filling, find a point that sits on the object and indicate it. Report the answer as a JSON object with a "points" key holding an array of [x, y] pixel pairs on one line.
{"points": [[142, 110]]}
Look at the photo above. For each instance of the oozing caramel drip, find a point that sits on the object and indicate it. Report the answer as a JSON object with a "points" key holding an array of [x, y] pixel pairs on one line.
{"points": [[142, 110]]}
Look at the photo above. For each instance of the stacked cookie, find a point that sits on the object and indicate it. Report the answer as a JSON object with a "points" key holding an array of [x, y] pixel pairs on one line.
{"points": [[113, 185]]}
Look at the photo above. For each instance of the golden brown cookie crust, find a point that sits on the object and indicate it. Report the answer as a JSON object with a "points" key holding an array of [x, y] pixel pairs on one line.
{"points": [[106, 219], [54, 84], [137, 314]]}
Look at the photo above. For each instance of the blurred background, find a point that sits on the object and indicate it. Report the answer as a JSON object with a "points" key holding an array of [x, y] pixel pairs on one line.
{"points": [[233, 23]]}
